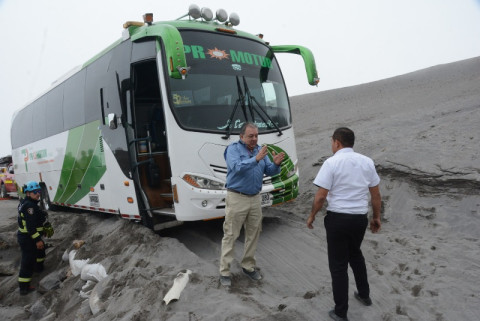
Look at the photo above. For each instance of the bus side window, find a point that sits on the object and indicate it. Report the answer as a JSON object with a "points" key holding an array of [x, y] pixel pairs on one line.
{"points": [[97, 80], [22, 128], [39, 129], [74, 101], [54, 121]]}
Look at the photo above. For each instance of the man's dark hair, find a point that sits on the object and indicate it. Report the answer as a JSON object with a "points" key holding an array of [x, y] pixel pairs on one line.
{"points": [[245, 125], [345, 136]]}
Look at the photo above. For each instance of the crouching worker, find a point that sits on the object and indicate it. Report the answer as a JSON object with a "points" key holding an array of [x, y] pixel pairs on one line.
{"points": [[31, 221]]}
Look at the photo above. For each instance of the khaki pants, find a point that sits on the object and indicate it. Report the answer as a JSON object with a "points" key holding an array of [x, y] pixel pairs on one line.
{"points": [[240, 210]]}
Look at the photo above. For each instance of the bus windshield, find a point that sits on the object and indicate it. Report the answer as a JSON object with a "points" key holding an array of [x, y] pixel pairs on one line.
{"points": [[231, 80]]}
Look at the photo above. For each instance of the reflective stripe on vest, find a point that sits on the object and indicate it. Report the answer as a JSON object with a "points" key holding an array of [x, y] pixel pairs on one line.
{"points": [[24, 280], [24, 224], [25, 231]]}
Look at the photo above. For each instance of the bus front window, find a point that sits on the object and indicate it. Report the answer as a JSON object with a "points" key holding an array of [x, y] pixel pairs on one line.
{"points": [[231, 80]]}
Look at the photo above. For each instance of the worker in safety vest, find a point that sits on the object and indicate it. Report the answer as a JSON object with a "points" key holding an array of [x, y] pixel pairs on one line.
{"points": [[32, 225]]}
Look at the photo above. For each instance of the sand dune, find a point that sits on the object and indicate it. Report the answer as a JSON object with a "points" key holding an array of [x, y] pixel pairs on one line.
{"points": [[422, 131]]}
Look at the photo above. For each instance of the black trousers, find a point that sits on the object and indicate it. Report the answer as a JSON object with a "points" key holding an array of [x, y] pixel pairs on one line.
{"points": [[29, 257], [345, 234]]}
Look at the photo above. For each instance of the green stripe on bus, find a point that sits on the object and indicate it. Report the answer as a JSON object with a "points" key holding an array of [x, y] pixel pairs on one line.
{"points": [[84, 163], [94, 171], [289, 185], [73, 143]]}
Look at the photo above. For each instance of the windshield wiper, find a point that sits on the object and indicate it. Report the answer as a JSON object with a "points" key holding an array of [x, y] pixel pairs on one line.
{"points": [[240, 101], [259, 108]]}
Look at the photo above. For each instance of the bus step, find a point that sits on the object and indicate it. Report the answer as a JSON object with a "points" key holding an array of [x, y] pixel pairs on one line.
{"points": [[164, 225], [165, 211]]}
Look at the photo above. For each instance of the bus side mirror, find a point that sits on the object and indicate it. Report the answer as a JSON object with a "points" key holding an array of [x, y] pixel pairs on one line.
{"points": [[112, 121]]}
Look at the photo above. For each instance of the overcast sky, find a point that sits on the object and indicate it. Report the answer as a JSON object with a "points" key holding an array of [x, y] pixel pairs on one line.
{"points": [[353, 41]]}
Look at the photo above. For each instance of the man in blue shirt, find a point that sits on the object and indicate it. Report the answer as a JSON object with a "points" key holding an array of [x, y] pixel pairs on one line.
{"points": [[246, 165]]}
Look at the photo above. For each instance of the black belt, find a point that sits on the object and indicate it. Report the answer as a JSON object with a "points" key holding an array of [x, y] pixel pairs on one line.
{"points": [[234, 191]]}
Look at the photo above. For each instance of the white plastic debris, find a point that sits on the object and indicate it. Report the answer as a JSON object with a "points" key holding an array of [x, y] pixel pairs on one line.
{"points": [[76, 265], [178, 285], [89, 272], [93, 272]]}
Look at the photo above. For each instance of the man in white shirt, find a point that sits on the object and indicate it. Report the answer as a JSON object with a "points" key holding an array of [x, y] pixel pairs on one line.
{"points": [[344, 181]]}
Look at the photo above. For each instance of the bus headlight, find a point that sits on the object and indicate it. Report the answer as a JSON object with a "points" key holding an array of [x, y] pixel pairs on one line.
{"points": [[202, 182]]}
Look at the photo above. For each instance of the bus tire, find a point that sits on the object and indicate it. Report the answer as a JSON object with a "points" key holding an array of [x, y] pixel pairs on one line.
{"points": [[45, 200], [3, 191]]}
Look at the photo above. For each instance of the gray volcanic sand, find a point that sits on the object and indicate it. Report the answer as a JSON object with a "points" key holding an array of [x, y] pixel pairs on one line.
{"points": [[422, 130]]}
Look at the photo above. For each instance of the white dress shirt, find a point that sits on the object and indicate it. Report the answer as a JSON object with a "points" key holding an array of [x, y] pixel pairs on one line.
{"points": [[347, 176]]}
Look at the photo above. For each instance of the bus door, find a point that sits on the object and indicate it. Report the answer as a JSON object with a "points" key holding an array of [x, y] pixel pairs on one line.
{"points": [[151, 153]]}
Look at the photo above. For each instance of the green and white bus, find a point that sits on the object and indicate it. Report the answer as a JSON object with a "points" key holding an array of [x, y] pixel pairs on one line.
{"points": [[140, 129]]}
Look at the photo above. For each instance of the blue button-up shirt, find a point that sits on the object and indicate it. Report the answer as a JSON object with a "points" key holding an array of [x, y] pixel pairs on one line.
{"points": [[244, 174]]}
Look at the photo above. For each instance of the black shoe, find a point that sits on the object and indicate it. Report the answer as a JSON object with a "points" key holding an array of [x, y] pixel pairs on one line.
{"points": [[335, 317], [254, 275], [225, 281], [364, 301], [26, 290]]}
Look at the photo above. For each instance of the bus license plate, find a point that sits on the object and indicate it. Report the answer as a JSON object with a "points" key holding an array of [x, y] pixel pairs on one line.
{"points": [[267, 199]]}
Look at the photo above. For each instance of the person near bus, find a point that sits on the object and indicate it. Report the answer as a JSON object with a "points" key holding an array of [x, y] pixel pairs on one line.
{"points": [[247, 162], [31, 221], [344, 181]]}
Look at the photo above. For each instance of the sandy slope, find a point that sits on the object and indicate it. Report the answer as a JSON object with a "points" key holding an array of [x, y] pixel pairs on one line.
{"points": [[422, 131]]}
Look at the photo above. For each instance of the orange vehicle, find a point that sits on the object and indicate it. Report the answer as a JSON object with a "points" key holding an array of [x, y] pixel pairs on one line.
{"points": [[7, 180]]}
